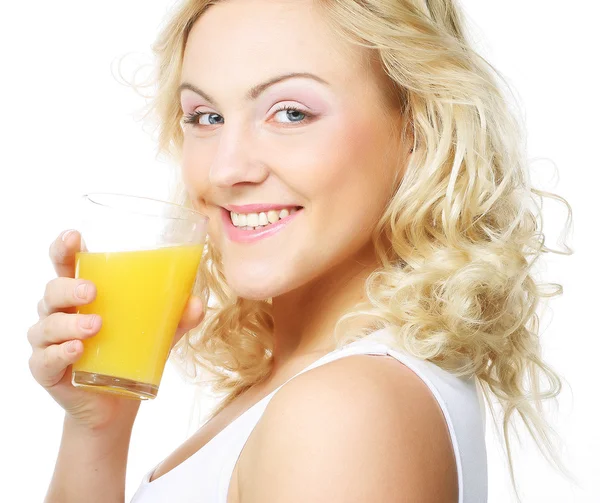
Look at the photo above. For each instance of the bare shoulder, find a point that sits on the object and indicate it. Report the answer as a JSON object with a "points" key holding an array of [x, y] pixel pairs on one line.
{"points": [[359, 429]]}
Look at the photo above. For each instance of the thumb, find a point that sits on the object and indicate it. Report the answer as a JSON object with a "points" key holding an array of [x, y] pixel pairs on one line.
{"points": [[192, 316]]}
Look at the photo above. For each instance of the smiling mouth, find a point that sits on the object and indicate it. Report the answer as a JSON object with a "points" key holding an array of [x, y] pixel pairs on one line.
{"points": [[260, 220]]}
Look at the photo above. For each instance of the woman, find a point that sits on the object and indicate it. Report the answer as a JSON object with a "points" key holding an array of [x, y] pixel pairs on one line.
{"points": [[371, 235]]}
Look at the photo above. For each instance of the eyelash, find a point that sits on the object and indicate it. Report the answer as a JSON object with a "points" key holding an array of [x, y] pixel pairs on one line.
{"points": [[192, 118]]}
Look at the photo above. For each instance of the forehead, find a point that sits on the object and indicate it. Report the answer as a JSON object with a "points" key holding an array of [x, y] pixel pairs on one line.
{"points": [[240, 40]]}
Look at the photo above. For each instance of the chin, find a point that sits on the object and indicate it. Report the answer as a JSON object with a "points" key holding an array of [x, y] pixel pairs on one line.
{"points": [[258, 283], [252, 290]]}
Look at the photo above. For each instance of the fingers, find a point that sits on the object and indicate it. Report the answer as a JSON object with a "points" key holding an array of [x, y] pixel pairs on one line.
{"points": [[62, 253], [191, 318], [48, 365], [61, 327], [64, 293]]}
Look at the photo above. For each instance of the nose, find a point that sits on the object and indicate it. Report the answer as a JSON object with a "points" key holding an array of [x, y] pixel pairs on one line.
{"points": [[236, 159]]}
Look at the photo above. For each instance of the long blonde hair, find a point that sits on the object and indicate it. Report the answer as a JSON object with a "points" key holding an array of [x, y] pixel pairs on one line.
{"points": [[457, 241]]}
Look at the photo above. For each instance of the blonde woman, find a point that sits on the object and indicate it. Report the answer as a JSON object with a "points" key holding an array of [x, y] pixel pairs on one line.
{"points": [[372, 230]]}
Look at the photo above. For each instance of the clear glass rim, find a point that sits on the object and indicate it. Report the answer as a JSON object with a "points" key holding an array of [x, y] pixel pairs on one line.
{"points": [[90, 197]]}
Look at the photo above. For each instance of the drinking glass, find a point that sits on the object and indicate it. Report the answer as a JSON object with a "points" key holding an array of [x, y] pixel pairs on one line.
{"points": [[142, 255]]}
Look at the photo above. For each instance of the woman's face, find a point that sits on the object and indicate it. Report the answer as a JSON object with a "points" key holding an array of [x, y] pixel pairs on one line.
{"points": [[285, 125]]}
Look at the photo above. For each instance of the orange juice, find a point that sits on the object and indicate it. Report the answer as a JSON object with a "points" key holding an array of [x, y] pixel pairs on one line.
{"points": [[140, 297]]}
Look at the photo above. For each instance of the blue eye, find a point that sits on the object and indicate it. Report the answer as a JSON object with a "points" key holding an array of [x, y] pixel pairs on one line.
{"points": [[203, 119], [286, 114], [290, 114]]}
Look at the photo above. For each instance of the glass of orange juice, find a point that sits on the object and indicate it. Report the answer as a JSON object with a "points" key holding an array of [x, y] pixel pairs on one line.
{"points": [[142, 255]]}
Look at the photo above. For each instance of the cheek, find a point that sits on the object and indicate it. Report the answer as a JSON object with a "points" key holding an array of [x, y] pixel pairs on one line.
{"points": [[195, 167], [347, 170], [352, 182]]}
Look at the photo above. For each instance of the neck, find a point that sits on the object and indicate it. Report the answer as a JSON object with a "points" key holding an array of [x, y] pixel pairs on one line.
{"points": [[305, 318]]}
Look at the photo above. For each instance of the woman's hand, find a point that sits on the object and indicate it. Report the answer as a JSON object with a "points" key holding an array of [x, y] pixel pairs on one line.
{"points": [[56, 341]]}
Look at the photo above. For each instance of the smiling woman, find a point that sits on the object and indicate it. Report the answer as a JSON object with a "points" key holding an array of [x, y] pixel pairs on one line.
{"points": [[367, 270]]}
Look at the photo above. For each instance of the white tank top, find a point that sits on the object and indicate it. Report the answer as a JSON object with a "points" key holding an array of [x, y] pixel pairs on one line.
{"points": [[205, 476]]}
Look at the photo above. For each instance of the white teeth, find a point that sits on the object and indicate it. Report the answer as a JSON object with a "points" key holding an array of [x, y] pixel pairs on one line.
{"points": [[251, 221]]}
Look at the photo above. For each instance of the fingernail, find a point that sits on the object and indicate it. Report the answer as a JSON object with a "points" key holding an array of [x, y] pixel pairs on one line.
{"points": [[66, 235], [72, 347], [81, 291], [87, 321]]}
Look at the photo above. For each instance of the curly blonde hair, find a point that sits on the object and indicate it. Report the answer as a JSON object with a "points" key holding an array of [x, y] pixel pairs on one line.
{"points": [[458, 239]]}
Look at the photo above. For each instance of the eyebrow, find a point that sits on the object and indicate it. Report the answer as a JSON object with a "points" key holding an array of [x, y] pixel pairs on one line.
{"points": [[257, 90]]}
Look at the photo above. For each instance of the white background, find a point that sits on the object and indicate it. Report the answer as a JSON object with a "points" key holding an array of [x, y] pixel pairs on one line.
{"points": [[68, 128]]}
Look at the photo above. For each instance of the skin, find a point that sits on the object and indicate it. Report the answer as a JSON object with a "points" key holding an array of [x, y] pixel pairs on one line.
{"points": [[329, 164], [357, 430], [339, 165], [92, 458], [243, 151]]}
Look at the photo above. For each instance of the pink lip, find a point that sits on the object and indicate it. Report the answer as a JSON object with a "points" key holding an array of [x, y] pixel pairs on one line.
{"points": [[242, 236], [257, 208]]}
